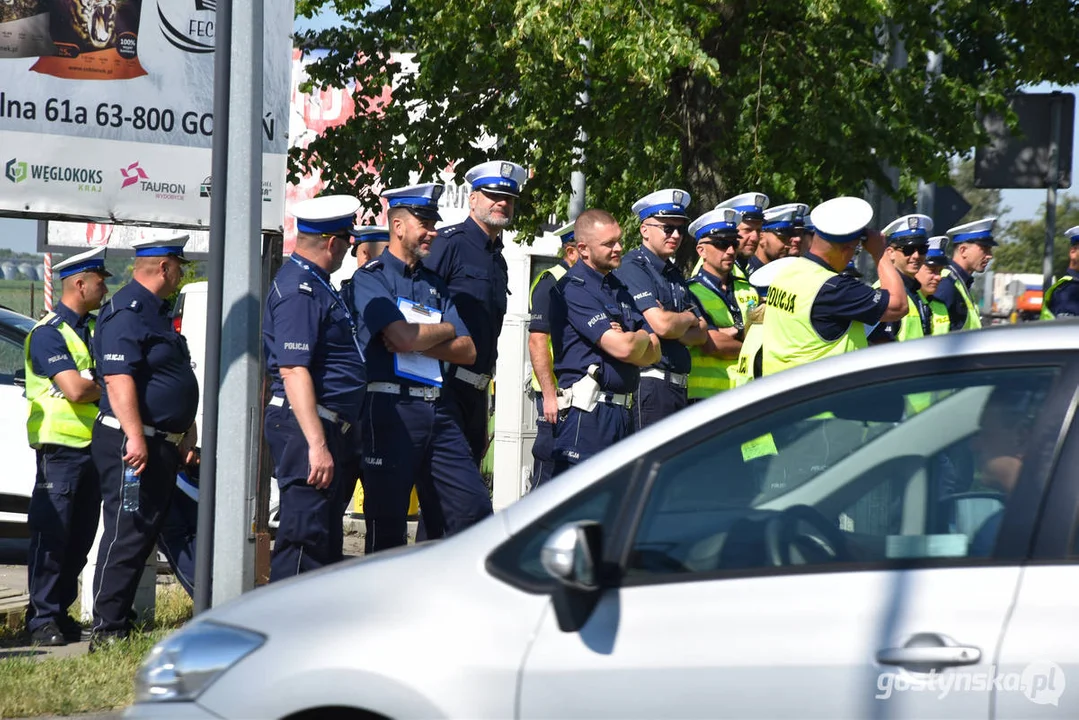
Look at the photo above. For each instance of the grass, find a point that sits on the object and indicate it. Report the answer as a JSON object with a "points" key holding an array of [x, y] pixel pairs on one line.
{"points": [[86, 683]]}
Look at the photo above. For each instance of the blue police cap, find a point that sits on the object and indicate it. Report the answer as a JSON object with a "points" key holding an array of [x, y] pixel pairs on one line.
{"points": [[669, 203], [162, 244], [936, 256], [979, 231], [722, 222], [1072, 234], [497, 176], [908, 229], [841, 219], [752, 205], [326, 215], [369, 233], [784, 217], [421, 200], [565, 233], [89, 261]]}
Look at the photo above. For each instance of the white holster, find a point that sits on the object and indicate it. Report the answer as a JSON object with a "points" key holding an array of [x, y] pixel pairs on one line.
{"points": [[584, 394]]}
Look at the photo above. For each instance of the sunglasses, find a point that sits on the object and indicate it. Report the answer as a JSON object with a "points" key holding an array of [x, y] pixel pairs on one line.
{"points": [[668, 229], [721, 243], [909, 250], [347, 237]]}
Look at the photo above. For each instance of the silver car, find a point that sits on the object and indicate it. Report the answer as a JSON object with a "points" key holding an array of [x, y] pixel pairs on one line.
{"points": [[885, 534]]}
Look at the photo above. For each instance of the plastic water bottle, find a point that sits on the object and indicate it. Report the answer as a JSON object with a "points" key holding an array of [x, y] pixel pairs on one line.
{"points": [[129, 497]]}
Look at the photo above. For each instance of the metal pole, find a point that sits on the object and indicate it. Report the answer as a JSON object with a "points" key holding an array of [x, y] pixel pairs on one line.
{"points": [[204, 538], [577, 182], [241, 408], [1051, 194]]}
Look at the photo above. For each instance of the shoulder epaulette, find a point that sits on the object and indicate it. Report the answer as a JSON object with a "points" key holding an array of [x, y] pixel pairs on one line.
{"points": [[305, 288], [372, 264]]}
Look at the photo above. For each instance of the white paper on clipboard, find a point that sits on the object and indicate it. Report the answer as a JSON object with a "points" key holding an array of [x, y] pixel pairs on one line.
{"points": [[414, 366]]}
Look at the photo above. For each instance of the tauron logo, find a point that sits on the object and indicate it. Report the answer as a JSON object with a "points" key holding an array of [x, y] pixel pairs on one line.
{"points": [[132, 175], [15, 170]]}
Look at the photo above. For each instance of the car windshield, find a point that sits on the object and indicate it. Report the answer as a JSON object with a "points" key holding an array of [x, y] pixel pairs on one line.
{"points": [[14, 320]]}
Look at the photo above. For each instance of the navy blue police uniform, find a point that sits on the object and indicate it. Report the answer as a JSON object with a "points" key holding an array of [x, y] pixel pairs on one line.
{"points": [[587, 305], [950, 296], [540, 322], [308, 324], [66, 499], [178, 533], [135, 337], [1065, 299]]}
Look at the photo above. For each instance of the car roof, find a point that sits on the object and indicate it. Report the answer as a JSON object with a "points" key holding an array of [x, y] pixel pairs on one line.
{"points": [[17, 321]]}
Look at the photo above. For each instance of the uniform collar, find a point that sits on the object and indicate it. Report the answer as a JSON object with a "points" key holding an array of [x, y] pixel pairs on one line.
{"points": [[594, 276], [715, 279], [477, 234], [1074, 274], [308, 265], [654, 260], [148, 299], [817, 259], [962, 274], [565, 265], [754, 263], [398, 265], [911, 284], [69, 316]]}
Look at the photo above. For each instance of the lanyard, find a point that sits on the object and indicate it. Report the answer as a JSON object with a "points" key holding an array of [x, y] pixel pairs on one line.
{"points": [[732, 305], [924, 314], [338, 300]]}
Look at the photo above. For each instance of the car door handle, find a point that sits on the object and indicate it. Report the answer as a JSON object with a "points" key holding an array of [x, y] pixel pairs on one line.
{"points": [[930, 649]]}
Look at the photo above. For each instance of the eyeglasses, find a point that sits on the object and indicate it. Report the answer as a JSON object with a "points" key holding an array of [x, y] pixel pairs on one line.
{"points": [[668, 229], [909, 250], [347, 237], [721, 243]]}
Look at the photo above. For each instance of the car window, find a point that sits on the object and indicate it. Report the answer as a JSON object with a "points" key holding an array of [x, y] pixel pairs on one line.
{"points": [[12, 360], [900, 470]]}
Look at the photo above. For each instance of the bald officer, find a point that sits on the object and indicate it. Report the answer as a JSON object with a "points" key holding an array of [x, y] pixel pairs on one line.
{"points": [[1062, 297], [544, 383], [908, 244], [813, 312], [62, 394], [974, 245], [468, 257], [409, 435], [317, 385], [661, 295], [145, 428], [601, 341]]}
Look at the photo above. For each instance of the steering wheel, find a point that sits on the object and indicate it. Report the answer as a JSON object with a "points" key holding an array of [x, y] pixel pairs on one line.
{"points": [[784, 531]]}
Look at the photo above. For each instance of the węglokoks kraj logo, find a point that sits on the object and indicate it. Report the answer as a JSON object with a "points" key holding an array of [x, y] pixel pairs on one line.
{"points": [[188, 25], [134, 176], [87, 180]]}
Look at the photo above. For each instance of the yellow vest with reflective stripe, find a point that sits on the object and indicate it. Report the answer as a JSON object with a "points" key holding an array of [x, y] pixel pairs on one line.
{"points": [[742, 371], [789, 338], [709, 375], [556, 272], [940, 322], [974, 317], [910, 327], [1045, 313], [52, 418]]}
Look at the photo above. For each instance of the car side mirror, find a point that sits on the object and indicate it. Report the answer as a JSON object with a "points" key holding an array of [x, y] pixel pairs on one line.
{"points": [[572, 553]]}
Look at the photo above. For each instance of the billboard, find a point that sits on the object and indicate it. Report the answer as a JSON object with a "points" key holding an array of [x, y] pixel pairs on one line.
{"points": [[106, 110]]}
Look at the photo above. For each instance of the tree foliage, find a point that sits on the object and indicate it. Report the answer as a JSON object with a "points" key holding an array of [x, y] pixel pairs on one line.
{"points": [[1024, 246], [792, 97]]}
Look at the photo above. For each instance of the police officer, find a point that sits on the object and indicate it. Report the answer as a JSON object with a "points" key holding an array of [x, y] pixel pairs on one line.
{"points": [[751, 205], [813, 311], [973, 250], [908, 245], [317, 383], [544, 383], [661, 295], [600, 343], [929, 278], [468, 257], [715, 287], [179, 531], [798, 239], [62, 394], [1062, 297], [146, 426], [407, 324]]}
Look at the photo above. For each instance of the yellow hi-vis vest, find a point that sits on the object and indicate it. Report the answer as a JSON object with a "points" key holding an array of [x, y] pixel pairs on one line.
{"points": [[974, 317], [52, 418], [742, 371], [709, 375], [910, 327], [1045, 313], [789, 338], [557, 272], [939, 320]]}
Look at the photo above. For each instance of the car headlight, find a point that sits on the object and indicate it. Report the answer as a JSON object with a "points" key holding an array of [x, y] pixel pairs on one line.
{"points": [[184, 664]]}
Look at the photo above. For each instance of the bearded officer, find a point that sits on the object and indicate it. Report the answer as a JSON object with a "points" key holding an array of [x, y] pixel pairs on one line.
{"points": [[1062, 297], [661, 295], [317, 385], [600, 340], [974, 245], [409, 435], [813, 311], [468, 257], [544, 384], [908, 245], [62, 394], [715, 288], [146, 425]]}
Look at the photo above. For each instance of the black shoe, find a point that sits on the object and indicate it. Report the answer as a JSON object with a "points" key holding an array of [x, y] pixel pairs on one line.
{"points": [[70, 627], [103, 640], [49, 635]]}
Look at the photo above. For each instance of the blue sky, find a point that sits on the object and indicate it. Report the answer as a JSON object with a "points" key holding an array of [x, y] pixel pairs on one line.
{"points": [[21, 235]]}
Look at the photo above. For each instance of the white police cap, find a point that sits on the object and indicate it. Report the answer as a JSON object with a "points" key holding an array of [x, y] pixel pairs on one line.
{"points": [[421, 200], [1072, 234], [936, 255], [89, 261], [841, 219], [671, 203], [908, 229], [752, 205], [565, 233], [723, 221], [784, 217], [327, 214], [160, 244], [497, 176], [979, 231], [369, 233]]}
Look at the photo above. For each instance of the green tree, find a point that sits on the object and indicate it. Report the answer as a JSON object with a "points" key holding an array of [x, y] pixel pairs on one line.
{"points": [[1024, 248], [984, 202], [791, 97]]}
